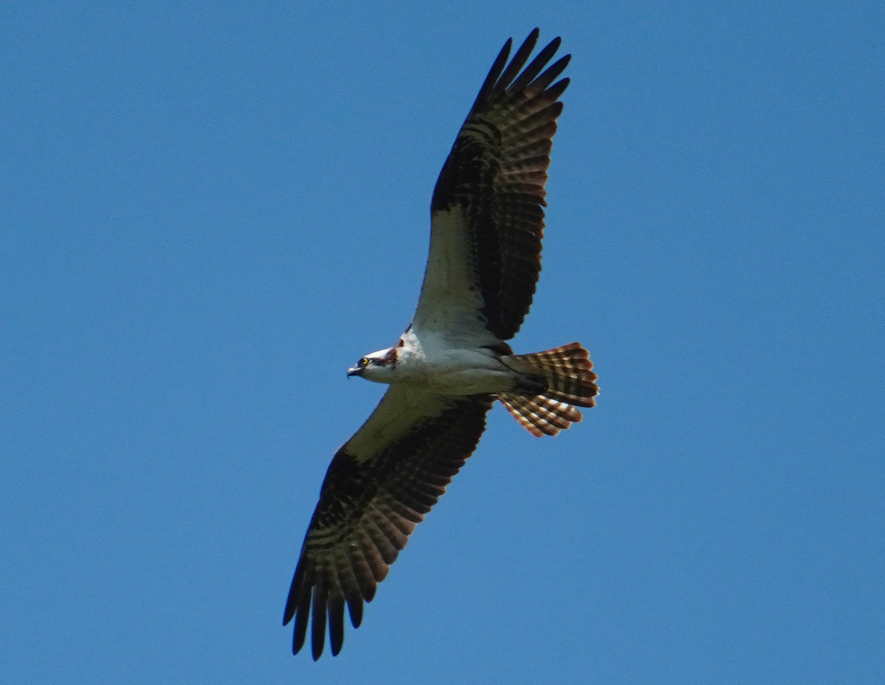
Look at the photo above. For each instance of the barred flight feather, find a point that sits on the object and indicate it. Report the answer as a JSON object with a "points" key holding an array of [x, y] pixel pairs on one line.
{"points": [[494, 178], [367, 511]]}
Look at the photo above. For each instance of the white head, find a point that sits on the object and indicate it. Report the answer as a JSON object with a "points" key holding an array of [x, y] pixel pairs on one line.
{"points": [[378, 366]]}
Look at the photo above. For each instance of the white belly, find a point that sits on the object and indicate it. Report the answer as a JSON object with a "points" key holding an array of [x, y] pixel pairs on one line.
{"points": [[452, 371]]}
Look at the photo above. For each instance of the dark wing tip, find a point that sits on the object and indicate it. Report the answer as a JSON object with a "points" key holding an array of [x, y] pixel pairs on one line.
{"points": [[557, 89], [318, 626], [336, 633], [318, 604], [492, 77], [502, 74], [299, 634], [516, 64]]}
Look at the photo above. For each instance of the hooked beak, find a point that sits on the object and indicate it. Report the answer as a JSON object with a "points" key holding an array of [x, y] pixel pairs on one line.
{"points": [[354, 371]]}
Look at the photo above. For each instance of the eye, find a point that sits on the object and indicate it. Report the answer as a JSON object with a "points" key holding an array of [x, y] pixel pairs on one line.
{"points": [[363, 363]]}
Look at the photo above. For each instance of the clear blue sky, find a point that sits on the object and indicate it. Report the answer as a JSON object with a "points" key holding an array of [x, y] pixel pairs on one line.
{"points": [[208, 211]]}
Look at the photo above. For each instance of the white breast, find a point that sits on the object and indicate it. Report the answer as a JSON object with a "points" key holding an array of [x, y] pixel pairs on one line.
{"points": [[433, 363]]}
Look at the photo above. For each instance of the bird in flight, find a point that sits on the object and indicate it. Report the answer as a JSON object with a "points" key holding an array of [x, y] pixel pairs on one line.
{"points": [[453, 361]]}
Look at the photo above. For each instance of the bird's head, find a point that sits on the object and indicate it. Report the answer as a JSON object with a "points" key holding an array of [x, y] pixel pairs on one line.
{"points": [[377, 366]]}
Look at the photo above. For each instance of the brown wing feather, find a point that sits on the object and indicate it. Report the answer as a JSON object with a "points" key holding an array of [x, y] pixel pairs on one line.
{"points": [[369, 504], [492, 187]]}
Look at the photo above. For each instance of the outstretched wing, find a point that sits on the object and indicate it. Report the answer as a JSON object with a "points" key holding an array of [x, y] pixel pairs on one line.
{"points": [[487, 216], [379, 486]]}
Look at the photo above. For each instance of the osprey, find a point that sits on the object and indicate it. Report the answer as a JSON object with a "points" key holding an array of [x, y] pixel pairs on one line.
{"points": [[452, 363]]}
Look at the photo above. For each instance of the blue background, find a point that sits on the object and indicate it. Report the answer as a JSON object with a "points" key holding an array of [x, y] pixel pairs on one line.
{"points": [[208, 211]]}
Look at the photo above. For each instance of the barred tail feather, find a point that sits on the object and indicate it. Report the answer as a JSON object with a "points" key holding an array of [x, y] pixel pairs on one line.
{"points": [[569, 382], [539, 415]]}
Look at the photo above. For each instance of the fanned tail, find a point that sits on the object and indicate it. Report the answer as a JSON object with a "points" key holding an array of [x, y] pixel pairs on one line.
{"points": [[569, 382]]}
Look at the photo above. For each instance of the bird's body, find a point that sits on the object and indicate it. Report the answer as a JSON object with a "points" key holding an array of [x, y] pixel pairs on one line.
{"points": [[435, 364], [453, 361]]}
